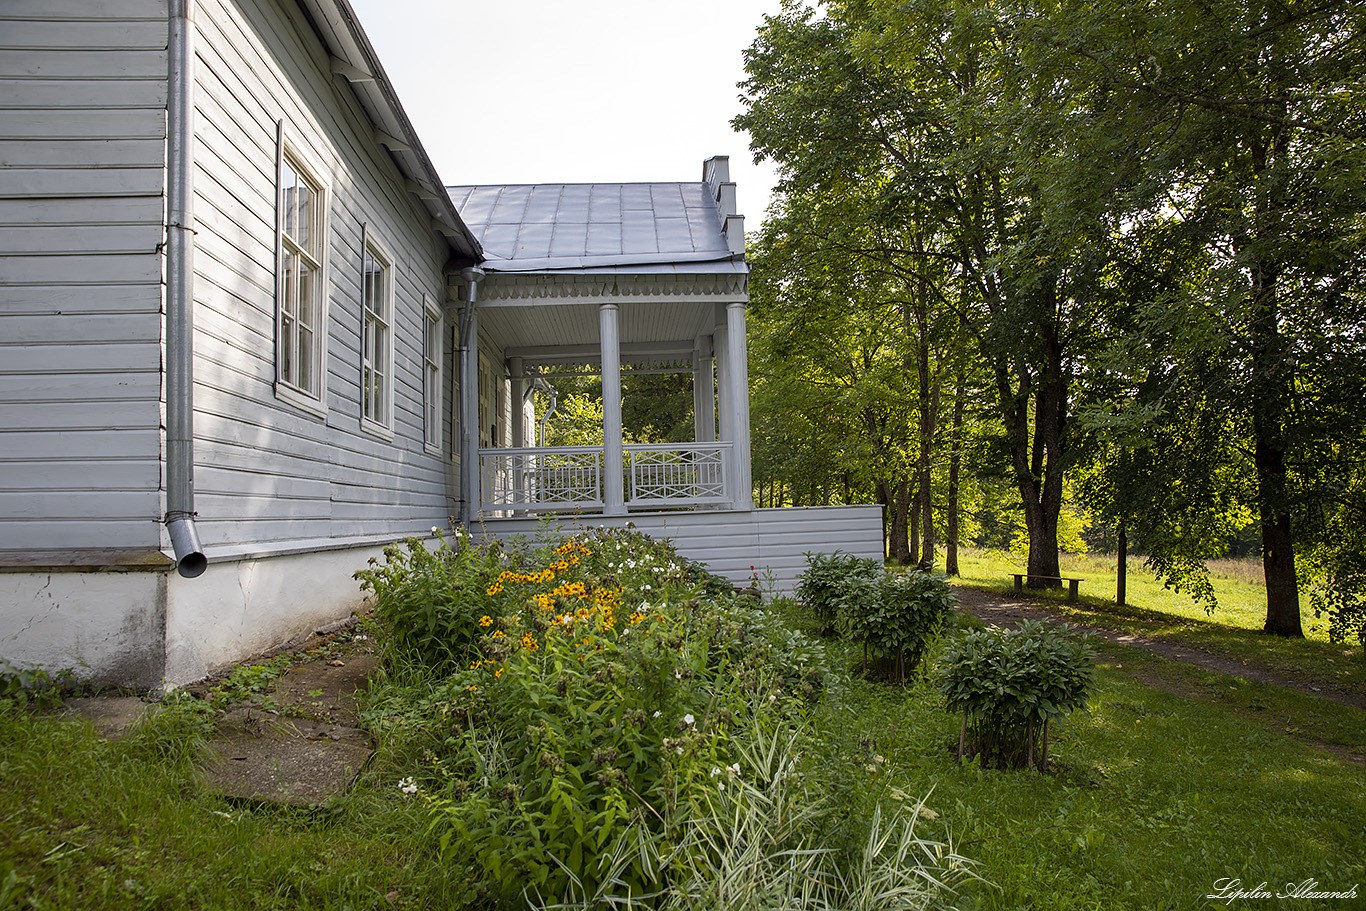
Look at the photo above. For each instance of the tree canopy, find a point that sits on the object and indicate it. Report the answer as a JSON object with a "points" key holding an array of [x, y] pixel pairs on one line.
{"points": [[1127, 235]]}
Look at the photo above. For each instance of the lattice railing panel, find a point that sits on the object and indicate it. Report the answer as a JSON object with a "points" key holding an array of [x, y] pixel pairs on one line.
{"points": [[541, 479], [680, 474]]}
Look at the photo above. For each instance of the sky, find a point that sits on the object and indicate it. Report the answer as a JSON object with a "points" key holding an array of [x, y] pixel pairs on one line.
{"points": [[571, 91]]}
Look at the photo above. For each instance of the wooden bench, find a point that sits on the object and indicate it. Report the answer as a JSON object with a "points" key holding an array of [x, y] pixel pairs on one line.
{"points": [[1071, 584]]}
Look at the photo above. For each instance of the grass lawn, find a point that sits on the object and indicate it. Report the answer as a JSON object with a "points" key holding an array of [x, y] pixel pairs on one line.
{"points": [[1233, 631]]}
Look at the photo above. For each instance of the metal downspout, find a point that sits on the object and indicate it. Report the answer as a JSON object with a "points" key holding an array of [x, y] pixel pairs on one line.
{"points": [[189, 554], [554, 395], [468, 457]]}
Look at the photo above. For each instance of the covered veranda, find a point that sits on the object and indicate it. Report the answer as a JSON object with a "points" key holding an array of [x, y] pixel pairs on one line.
{"points": [[622, 279]]}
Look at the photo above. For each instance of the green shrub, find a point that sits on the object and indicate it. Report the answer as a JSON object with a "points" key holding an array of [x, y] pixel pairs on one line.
{"points": [[894, 616], [1341, 596], [602, 692], [1009, 684], [829, 580], [429, 600]]}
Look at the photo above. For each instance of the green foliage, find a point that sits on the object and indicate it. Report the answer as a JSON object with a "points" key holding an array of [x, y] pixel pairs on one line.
{"points": [[1009, 684], [606, 689], [756, 843], [1341, 597], [25, 685], [829, 580], [250, 683], [893, 616], [429, 600]]}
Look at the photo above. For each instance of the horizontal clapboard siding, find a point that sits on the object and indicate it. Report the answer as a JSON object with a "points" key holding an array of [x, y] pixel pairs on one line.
{"points": [[82, 141], [270, 473], [772, 541]]}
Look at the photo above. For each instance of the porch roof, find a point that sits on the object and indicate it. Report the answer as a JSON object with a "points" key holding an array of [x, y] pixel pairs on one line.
{"points": [[638, 228]]}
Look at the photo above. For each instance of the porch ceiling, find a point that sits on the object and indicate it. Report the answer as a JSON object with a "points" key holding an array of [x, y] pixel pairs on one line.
{"points": [[563, 333]]}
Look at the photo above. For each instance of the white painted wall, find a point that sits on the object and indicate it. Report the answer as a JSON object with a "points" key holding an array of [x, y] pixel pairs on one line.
{"points": [[104, 626], [248, 607]]}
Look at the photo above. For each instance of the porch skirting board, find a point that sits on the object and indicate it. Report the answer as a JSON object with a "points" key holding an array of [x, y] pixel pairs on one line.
{"points": [[151, 628], [772, 541]]}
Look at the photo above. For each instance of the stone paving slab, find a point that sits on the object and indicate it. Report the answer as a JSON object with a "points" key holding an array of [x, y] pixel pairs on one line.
{"points": [[112, 716], [326, 689], [264, 756]]}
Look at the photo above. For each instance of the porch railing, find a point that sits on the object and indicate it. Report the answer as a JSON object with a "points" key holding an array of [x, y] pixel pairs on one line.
{"points": [[564, 478]]}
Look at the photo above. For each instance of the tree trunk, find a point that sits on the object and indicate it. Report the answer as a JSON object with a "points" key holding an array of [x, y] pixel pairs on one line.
{"points": [[1037, 460], [908, 542], [955, 465]]}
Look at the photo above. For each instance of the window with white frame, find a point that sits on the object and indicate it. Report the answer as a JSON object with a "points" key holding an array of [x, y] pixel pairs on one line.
{"points": [[431, 374], [377, 340], [299, 310]]}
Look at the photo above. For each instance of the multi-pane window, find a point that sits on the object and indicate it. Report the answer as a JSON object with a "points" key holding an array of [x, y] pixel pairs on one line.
{"points": [[431, 376], [300, 330], [376, 338]]}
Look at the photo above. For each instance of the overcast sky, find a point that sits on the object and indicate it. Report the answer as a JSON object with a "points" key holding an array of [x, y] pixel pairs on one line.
{"points": [[549, 91]]}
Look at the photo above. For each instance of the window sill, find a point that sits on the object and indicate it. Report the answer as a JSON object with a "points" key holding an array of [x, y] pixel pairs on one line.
{"points": [[300, 399], [377, 430]]}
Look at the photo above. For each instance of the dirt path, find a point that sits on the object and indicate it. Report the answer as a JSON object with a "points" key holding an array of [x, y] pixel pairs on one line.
{"points": [[1002, 610]]}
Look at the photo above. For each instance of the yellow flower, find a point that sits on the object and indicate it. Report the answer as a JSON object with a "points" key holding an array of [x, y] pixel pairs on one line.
{"points": [[495, 588], [471, 687], [498, 634], [486, 620], [498, 673]]}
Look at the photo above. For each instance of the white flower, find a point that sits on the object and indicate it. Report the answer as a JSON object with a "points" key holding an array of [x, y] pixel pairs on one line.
{"points": [[646, 587], [656, 713], [715, 771], [679, 750], [721, 786], [407, 785], [772, 698], [879, 759], [435, 530], [733, 769], [688, 720]]}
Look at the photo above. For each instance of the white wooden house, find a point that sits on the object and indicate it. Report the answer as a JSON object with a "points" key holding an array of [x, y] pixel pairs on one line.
{"points": [[242, 330]]}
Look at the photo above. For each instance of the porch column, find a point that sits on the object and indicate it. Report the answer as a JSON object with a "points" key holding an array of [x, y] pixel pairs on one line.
{"points": [[517, 377], [721, 348], [738, 405], [613, 492], [703, 393], [469, 412]]}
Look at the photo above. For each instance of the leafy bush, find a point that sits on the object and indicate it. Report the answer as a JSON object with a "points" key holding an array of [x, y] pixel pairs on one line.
{"points": [[829, 580], [894, 616], [429, 600], [1009, 684], [603, 691], [1341, 595]]}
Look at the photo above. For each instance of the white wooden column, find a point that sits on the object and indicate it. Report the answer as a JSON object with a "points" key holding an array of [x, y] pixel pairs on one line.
{"points": [[613, 492], [517, 379], [469, 434], [703, 393], [721, 349], [737, 375]]}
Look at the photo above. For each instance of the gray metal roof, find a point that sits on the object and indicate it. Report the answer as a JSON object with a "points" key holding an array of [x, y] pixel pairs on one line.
{"points": [[545, 227]]}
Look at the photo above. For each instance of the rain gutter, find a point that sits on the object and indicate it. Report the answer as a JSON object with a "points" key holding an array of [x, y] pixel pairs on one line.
{"points": [[180, 512]]}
